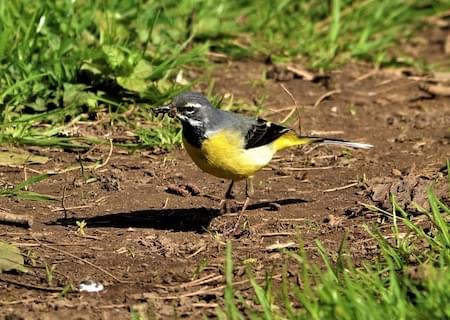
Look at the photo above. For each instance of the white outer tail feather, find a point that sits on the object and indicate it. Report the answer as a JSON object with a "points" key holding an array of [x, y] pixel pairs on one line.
{"points": [[350, 144]]}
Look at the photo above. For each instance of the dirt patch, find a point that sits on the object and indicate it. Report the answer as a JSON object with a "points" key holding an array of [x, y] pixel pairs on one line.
{"points": [[147, 226], [409, 189]]}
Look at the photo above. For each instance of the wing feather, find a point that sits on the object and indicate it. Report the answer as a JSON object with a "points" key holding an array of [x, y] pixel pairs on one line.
{"points": [[263, 132]]}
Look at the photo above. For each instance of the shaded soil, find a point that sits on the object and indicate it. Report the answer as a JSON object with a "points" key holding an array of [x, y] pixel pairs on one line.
{"points": [[161, 251]]}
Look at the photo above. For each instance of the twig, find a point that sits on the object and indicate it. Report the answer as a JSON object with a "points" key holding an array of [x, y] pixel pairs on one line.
{"points": [[16, 219], [277, 111], [113, 306], [72, 208], [217, 56], [32, 286], [166, 203], [330, 156], [83, 168], [25, 175], [62, 244], [279, 246], [80, 259], [202, 281], [365, 76], [294, 109], [96, 202], [94, 147], [325, 96], [205, 305], [104, 163], [202, 291], [196, 252], [308, 169], [306, 75], [13, 302], [22, 167], [354, 184], [288, 93], [64, 196], [206, 290], [312, 149], [278, 234], [324, 133]]}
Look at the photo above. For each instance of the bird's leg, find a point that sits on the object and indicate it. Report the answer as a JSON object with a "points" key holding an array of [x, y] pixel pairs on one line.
{"points": [[228, 196], [248, 194]]}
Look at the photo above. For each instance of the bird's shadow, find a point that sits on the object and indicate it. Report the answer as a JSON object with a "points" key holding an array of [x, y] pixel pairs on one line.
{"points": [[182, 219]]}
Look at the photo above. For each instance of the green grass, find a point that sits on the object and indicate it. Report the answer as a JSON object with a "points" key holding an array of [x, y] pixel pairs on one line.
{"points": [[20, 191], [408, 280], [66, 64]]}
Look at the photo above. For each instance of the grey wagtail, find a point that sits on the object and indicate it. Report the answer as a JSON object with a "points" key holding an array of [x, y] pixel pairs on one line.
{"points": [[231, 146]]}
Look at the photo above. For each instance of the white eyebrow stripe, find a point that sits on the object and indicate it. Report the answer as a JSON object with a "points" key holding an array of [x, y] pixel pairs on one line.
{"points": [[193, 104]]}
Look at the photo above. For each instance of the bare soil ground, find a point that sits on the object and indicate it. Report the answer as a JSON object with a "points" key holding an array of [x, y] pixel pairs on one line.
{"points": [[164, 252]]}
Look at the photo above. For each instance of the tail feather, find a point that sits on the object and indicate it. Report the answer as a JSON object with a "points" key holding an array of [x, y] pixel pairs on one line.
{"points": [[344, 143], [291, 139]]}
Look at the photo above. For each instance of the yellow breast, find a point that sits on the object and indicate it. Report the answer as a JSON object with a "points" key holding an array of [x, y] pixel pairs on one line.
{"points": [[223, 155]]}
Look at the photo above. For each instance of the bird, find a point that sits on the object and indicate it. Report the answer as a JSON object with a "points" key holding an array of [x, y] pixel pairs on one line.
{"points": [[232, 146]]}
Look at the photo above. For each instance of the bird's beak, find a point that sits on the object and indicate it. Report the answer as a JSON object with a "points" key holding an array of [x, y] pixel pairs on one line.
{"points": [[166, 109]]}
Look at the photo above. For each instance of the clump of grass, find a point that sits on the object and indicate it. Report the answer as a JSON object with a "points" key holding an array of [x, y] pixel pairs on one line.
{"points": [[20, 190], [409, 280], [66, 62]]}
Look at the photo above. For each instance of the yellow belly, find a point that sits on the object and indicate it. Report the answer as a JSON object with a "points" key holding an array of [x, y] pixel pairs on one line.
{"points": [[224, 156]]}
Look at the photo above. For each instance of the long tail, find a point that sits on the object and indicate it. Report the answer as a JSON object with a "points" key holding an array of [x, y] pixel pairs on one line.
{"points": [[338, 142], [291, 139]]}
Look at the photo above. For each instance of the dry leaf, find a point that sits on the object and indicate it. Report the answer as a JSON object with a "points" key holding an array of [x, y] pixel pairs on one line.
{"points": [[10, 258], [8, 158]]}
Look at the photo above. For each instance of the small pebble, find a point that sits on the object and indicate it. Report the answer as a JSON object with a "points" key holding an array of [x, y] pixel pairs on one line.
{"points": [[90, 286]]}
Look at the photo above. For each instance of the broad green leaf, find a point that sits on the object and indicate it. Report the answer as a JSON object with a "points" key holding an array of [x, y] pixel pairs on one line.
{"points": [[164, 85], [142, 70], [93, 68], [132, 84], [77, 94], [115, 56], [137, 80], [10, 258]]}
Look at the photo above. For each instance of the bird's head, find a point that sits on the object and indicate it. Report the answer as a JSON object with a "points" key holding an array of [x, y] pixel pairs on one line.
{"points": [[189, 107]]}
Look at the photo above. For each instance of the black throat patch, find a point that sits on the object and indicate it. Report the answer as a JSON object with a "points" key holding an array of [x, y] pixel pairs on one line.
{"points": [[193, 135]]}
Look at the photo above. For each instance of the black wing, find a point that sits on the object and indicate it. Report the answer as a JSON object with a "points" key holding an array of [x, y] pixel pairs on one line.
{"points": [[263, 132]]}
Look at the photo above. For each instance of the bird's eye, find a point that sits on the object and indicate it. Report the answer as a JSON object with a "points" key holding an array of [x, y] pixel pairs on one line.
{"points": [[189, 109]]}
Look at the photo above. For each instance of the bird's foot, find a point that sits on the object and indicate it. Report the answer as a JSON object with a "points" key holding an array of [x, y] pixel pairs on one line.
{"points": [[239, 230], [229, 206]]}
